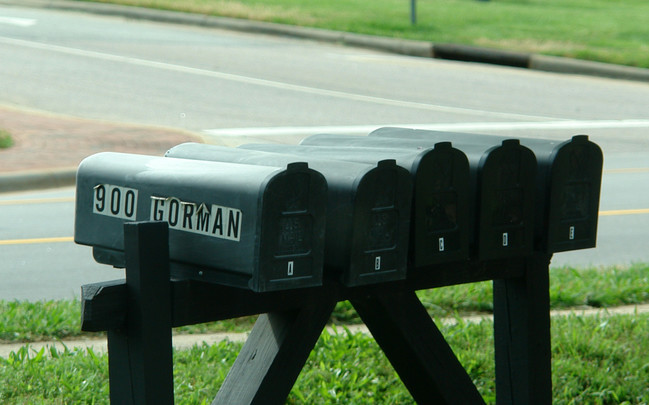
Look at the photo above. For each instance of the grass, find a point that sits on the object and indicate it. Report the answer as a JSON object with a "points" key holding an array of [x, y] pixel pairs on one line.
{"points": [[602, 30], [6, 140], [596, 360], [22, 321]]}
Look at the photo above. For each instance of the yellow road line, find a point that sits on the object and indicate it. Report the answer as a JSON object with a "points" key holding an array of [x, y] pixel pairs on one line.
{"points": [[628, 170], [623, 212], [37, 201], [36, 240], [63, 239]]}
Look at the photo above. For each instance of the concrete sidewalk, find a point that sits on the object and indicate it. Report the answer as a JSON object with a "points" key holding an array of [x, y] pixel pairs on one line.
{"points": [[48, 148], [184, 342]]}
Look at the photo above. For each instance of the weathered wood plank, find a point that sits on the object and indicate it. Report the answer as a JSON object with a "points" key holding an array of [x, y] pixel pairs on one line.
{"points": [[416, 348], [522, 336], [197, 302], [274, 354], [140, 360]]}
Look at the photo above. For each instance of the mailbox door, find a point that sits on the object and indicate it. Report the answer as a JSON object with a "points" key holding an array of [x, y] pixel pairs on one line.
{"points": [[575, 183], [568, 185], [347, 211], [440, 211], [504, 178], [292, 235]]}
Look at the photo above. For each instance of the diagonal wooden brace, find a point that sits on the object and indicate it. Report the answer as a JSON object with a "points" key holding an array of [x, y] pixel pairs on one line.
{"points": [[416, 348], [274, 354]]}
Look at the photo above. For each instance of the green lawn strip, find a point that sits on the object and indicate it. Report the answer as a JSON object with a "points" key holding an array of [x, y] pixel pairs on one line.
{"points": [[25, 321], [596, 360], [6, 140], [569, 288], [22, 321], [602, 30]]}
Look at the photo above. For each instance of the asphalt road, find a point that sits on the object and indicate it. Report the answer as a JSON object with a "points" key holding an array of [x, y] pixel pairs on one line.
{"points": [[236, 87], [39, 259]]}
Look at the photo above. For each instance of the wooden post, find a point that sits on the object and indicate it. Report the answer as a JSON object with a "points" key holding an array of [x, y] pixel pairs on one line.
{"points": [[140, 363], [416, 348], [522, 335], [274, 354]]}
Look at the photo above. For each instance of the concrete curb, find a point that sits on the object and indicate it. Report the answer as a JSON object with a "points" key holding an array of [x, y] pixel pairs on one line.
{"points": [[394, 45], [37, 179]]}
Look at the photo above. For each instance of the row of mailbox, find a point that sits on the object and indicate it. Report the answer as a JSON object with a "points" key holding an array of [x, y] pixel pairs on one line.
{"points": [[366, 209]]}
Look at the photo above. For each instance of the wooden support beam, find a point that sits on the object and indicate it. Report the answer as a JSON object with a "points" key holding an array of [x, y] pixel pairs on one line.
{"points": [[197, 302], [416, 348], [103, 306], [274, 354], [140, 363], [522, 335]]}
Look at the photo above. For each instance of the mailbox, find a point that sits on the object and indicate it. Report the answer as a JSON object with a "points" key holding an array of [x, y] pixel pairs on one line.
{"points": [[439, 230], [368, 210], [568, 187], [248, 226], [503, 187], [573, 170]]}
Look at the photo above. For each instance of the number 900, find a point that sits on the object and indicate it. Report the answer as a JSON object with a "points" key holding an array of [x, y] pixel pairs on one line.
{"points": [[115, 201]]}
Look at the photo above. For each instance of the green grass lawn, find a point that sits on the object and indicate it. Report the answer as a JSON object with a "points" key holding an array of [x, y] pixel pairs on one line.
{"points": [[22, 321], [6, 140], [613, 31], [596, 360]]}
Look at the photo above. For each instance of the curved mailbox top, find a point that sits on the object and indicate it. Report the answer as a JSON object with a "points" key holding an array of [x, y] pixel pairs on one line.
{"points": [[503, 185], [252, 226], [441, 218], [368, 209], [568, 188]]}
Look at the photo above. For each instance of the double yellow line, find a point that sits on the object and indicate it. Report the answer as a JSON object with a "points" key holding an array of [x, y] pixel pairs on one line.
{"points": [[67, 239], [63, 239], [611, 213], [36, 240]]}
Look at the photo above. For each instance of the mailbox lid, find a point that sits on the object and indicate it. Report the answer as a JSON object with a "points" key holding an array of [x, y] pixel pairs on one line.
{"points": [[575, 185], [381, 226], [507, 212], [292, 235], [215, 211]]}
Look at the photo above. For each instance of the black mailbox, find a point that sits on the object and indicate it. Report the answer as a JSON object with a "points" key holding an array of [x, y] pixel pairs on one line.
{"points": [[503, 187], [568, 188], [574, 173], [367, 216], [439, 230], [249, 226]]}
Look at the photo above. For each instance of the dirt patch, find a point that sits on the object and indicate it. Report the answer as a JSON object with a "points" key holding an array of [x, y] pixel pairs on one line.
{"points": [[48, 141]]}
